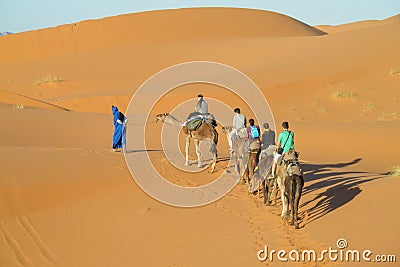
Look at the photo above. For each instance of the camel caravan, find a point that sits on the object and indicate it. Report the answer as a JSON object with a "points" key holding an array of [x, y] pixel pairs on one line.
{"points": [[264, 165]]}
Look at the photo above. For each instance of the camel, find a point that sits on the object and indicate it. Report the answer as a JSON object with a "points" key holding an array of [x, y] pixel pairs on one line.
{"points": [[206, 131], [264, 166], [263, 173], [270, 184], [290, 180], [240, 154]]}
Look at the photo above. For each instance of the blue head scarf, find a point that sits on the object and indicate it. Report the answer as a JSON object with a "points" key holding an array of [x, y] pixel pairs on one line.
{"points": [[115, 112]]}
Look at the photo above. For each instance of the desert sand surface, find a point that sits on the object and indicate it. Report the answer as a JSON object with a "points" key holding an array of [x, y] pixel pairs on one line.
{"points": [[66, 199]]}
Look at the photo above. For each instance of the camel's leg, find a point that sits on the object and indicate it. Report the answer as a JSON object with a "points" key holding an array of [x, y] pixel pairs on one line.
{"points": [[245, 176], [275, 192], [271, 188], [187, 149], [198, 152], [292, 185], [250, 168], [251, 164], [265, 191], [295, 204], [299, 189], [248, 175], [214, 162], [285, 203], [284, 199], [272, 183]]}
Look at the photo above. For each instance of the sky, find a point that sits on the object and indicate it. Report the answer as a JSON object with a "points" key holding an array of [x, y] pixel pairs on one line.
{"points": [[23, 15]]}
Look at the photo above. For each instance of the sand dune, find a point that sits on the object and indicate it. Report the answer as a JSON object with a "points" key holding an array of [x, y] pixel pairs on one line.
{"points": [[154, 27], [357, 25], [348, 65], [67, 200]]}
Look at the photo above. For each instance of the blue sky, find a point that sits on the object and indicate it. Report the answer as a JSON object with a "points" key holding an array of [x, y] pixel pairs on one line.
{"points": [[24, 15]]}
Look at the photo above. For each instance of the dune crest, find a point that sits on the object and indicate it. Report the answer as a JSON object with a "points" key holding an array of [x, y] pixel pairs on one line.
{"points": [[358, 25], [173, 25]]}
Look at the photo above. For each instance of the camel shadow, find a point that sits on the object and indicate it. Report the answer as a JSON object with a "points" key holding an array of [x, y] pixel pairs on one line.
{"points": [[223, 159], [333, 187], [143, 150]]}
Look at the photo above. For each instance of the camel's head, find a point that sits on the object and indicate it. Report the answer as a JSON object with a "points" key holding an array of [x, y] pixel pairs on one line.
{"points": [[294, 169], [292, 154], [291, 157], [161, 117], [227, 129]]}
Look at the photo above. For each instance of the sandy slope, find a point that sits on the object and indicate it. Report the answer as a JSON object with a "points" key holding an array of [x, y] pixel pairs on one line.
{"points": [[66, 199]]}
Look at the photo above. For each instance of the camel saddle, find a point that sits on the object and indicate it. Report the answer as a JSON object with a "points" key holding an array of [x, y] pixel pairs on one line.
{"points": [[193, 124], [255, 146], [196, 119]]}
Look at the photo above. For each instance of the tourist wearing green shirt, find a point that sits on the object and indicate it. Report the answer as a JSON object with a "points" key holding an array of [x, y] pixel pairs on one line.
{"points": [[285, 143], [286, 138]]}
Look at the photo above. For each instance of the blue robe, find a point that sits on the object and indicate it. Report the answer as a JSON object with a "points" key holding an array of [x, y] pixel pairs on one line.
{"points": [[119, 130]]}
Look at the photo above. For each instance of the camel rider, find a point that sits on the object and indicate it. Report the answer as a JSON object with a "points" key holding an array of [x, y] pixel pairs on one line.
{"points": [[268, 137], [239, 123], [286, 138], [285, 143], [201, 112], [253, 133], [202, 105]]}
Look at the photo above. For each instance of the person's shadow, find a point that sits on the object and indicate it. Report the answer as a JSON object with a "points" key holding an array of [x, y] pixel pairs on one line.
{"points": [[339, 188]]}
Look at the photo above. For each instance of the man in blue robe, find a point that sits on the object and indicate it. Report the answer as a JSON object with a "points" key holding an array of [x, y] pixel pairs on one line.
{"points": [[120, 121]]}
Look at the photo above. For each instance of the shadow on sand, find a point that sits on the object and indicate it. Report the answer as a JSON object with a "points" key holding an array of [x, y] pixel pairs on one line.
{"points": [[339, 188], [144, 150], [223, 159]]}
